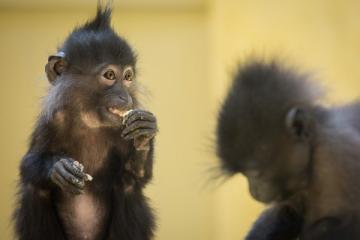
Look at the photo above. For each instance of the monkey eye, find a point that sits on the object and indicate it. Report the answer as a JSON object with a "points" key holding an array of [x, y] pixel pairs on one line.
{"points": [[110, 75], [128, 74]]}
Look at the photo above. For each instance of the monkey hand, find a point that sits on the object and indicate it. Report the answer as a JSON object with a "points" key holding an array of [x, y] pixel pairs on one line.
{"points": [[141, 126], [69, 176]]}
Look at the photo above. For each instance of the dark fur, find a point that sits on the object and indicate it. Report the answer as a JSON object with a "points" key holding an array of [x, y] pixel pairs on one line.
{"points": [[102, 151], [84, 47], [311, 173]]}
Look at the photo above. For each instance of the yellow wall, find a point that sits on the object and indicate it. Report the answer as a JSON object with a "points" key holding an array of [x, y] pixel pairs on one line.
{"points": [[186, 55]]}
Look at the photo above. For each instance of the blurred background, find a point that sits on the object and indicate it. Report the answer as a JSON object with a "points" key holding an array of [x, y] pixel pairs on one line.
{"points": [[187, 51]]}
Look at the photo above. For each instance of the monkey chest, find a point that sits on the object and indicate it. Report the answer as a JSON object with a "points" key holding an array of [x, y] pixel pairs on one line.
{"points": [[92, 153], [83, 216]]}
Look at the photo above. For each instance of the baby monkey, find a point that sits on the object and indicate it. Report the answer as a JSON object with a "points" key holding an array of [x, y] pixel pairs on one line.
{"points": [[91, 152]]}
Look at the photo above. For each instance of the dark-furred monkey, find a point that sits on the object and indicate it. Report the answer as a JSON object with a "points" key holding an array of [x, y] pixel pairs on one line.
{"points": [[298, 155], [91, 152]]}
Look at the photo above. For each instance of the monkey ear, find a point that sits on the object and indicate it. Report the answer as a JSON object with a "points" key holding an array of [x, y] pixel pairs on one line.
{"points": [[55, 67], [298, 123]]}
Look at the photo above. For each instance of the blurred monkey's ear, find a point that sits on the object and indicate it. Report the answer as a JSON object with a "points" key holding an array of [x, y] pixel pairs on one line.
{"points": [[299, 124], [55, 67]]}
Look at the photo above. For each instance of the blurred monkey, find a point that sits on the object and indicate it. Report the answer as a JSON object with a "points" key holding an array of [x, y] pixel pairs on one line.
{"points": [[300, 156]]}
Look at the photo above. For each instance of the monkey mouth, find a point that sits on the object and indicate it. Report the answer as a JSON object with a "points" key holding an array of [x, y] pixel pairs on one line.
{"points": [[118, 114], [116, 111]]}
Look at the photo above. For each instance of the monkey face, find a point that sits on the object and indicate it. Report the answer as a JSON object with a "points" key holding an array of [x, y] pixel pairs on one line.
{"points": [[262, 168], [116, 92], [105, 95], [99, 97], [266, 130], [267, 183], [263, 190], [275, 169], [93, 74], [274, 162]]}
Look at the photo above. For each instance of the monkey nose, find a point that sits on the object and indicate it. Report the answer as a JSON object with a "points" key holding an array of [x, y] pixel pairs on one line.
{"points": [[123, 99], [123, 102]]}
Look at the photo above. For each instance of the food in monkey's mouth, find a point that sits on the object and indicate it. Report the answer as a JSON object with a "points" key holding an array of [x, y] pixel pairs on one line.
{"points": [[121, 113], [116, 111]]}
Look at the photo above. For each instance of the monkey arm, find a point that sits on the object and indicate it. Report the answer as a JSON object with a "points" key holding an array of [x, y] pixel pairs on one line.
{"points": [[278, 222], [36, 164], [35, 168], [140, 128], [43, 169], [140, 165]]}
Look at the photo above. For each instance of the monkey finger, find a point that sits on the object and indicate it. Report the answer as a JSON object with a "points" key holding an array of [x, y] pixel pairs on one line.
{"points": [[55, 179], [145, 131], [137, 111], [73, 163], [64, 185], [137, 125], [69, 166], [70, 178], [149, 133], [130, 114], [140, 115]]}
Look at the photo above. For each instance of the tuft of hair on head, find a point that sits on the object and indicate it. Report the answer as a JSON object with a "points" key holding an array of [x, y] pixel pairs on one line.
{"points": [[254, 110], [101, 21], [95, 42]]}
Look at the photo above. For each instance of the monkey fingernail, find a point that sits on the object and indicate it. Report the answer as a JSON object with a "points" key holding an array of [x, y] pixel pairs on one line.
{"points": [[75, 181], [78, 166], [88, 177]]}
